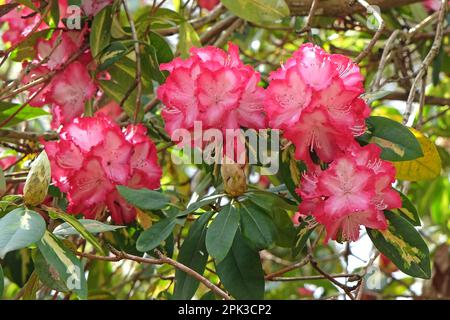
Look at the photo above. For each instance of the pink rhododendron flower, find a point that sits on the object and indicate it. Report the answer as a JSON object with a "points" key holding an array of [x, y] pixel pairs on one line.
{"points": [[214, 87], [69, 91], [314, 98], [22, 20], [208, 4], [93, 156], [59, 48], [353, 191]]}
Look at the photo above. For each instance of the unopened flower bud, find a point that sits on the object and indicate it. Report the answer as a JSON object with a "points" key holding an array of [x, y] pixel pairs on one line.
{"points": [[38, 180]]}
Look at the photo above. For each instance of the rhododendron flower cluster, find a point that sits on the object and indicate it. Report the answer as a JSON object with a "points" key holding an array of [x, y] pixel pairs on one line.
{"points": [[72, 86], [353, 191], [314, 99], [93, 156], [22, 20], [68, 91], [213, 87]]}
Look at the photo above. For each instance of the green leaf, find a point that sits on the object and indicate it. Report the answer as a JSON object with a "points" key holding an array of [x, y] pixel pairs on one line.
{"points": [[92, 226], [285, 235], [188, 39], [2, 282], [396, 140], [20, 228], [408, 211], [257, 226], [192, 254], [47, 273], [100, 35], [150, 64], [200, 203], [52, 18], [2, 182], [258, 11], [70, 219], [303, 233], [144, 199], [220, 234], [403, 245], [163, 50], [155, 235], [28, 113], [64, 264], [113, 53], [288, 171], [241, 272]]}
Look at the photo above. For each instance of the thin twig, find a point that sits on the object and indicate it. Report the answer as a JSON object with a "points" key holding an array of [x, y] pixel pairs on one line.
{"points": [[120, 255], [409, 115], [376, 37], [137, 50]]}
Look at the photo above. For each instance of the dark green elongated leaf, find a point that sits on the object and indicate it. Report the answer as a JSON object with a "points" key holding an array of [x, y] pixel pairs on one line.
{"points": [[285, 235], [201, 203], [192, 254], [2, 282], [258, 11], [20, 228], [188, 39], [396, 140], [220, 234], [150, 64], [257, 226], [241, 271], [152, 237], [52, 18], [285, 173], [113, 53], [163, 50], [408, 211], [28, 113], [144, 198], [65, 264], [277, 208], [92, 226], [100, 35], [2, 182], [403, 245], [70, 219], [303, 232], [47, 273]]}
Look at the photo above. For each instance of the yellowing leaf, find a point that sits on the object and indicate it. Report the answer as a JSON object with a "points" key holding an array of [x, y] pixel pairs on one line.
{"points": [[423, 168]]}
